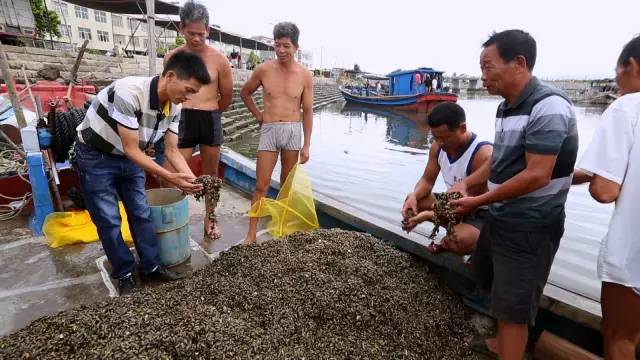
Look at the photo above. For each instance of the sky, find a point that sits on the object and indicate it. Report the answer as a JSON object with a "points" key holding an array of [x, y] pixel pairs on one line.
{"points": [[576, 39]]}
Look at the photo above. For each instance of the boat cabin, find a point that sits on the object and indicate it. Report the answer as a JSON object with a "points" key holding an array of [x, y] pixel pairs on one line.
{"points": [[417, 81]]}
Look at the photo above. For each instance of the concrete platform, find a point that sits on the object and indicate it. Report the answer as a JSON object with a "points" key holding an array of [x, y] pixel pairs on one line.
{"points": [[37, 281]]}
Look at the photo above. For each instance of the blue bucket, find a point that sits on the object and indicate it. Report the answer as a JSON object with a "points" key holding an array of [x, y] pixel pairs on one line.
{"points": [[170, 216]]}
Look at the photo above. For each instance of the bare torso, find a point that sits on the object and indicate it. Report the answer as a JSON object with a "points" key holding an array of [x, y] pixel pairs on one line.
{"points": [[282, 92], [209, 95]]}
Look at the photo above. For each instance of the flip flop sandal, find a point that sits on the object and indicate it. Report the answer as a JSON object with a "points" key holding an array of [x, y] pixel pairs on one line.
{"points": [[479, 345]]}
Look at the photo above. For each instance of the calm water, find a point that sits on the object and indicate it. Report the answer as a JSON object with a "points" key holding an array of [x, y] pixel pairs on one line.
{"points": [[371, 158]]}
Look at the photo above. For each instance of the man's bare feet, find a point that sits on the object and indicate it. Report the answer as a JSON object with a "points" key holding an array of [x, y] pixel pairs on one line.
{"points": [[436, 248], [487, 346], [211, 230], [249, 240], [492, 344], [409, 224]]}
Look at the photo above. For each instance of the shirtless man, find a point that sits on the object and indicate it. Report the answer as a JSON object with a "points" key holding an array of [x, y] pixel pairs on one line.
{"points": [[287, 86], [200, 119]]}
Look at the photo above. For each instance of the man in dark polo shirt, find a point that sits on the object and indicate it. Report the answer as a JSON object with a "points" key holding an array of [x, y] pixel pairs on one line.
{"points": [[535, 148], [124, 119]]}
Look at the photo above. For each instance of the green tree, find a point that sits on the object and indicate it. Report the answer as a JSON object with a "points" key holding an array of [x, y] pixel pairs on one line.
{"points": [[179, 42], [47, 22], [253, 59], [356, 68]]}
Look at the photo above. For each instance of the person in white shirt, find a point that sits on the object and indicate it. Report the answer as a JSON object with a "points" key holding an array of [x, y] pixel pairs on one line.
{"points": [[611, 164]]}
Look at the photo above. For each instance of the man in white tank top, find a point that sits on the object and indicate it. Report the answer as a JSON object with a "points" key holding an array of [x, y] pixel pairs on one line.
{"points": [[464, 162]]}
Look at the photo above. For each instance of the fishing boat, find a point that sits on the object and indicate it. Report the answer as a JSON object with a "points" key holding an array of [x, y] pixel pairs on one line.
{"points": [[409, 90], [53, 97]]}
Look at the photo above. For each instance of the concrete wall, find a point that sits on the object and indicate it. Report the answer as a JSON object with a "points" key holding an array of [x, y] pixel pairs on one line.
{"points": [[96, 69]]}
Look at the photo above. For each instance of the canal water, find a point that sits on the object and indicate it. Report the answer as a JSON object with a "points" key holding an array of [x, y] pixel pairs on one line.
{"points": [[371, 158]]}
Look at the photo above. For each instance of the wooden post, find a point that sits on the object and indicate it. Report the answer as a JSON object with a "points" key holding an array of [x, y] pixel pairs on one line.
{"points": [[151, 43], [53, 182], [27, 85], [39, 109], [552, 347], [11, 86], [76, 65], [74, 72]]}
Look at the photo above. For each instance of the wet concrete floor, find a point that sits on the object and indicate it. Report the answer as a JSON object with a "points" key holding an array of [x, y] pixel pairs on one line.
{"points": [[37, 281]]}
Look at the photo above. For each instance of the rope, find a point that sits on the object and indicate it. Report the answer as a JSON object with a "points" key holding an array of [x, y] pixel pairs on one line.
{"points": [[12, 163], [64, 125], [14, 212]]}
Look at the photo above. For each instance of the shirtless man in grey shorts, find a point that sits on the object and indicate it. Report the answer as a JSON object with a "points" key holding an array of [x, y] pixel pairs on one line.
{"points": [[287, 86]]}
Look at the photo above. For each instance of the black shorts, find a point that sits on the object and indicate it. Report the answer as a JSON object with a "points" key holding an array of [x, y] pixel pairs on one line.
{"points": [[514, 263], [199, 127], [476, 218]]}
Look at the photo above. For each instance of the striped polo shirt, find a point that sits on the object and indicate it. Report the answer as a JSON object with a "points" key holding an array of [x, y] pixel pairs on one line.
{"points": [[540, 121], [131, 102]]}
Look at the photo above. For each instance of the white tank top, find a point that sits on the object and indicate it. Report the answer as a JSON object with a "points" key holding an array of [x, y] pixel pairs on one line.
{"points": [[455, 170]]}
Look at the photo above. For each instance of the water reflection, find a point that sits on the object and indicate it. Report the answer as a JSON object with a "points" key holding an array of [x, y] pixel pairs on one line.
{"points": [[404, 128], [370, 158]]}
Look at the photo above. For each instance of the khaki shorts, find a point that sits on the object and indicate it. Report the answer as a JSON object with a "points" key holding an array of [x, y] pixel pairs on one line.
{"points": [[277, 136]]}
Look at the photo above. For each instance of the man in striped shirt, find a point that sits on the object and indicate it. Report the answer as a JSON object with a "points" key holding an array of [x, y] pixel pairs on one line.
{"points": [[535, 149], [125, 119]]}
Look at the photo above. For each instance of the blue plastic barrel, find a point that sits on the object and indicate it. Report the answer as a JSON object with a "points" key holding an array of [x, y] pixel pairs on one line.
{"points": [[170, 215]]}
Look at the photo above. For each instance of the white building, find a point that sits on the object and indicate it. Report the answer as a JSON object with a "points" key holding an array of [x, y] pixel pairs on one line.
{"points": [[305, 57], [105, 30], [265, 39]]}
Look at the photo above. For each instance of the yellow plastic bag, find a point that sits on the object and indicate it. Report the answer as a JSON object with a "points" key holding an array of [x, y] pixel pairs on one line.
{"points": [[65, 228], [293, 209]]}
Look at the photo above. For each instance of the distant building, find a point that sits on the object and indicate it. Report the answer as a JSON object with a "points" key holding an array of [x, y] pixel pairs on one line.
{"points": [[305, 57], [16, 19], [464, 83], [336, 73], [265, 39], [105, 31]]}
